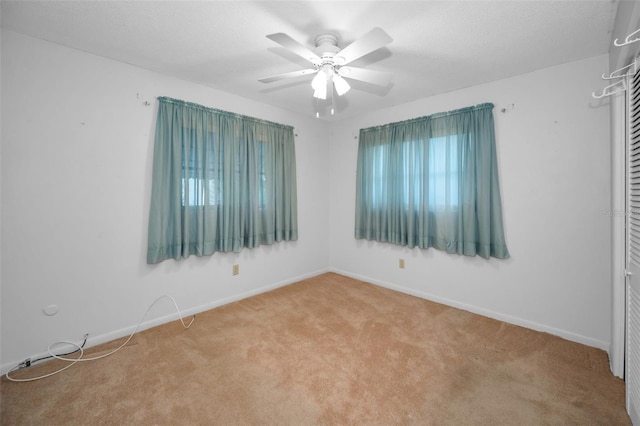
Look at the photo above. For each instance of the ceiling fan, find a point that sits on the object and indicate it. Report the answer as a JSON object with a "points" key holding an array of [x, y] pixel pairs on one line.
{"points": [[329, 61]]}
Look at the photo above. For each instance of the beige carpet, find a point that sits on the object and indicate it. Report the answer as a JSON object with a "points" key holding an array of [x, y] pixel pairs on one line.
{"points": [[324, 351]]}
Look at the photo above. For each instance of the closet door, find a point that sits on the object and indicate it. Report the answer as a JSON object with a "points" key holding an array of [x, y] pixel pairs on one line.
{"points": [[632, 364]]}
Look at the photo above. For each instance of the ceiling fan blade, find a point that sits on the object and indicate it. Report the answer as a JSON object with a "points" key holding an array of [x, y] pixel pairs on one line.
{"points": [[288, 75], [297, 48], [380, 78], [373, 40]]}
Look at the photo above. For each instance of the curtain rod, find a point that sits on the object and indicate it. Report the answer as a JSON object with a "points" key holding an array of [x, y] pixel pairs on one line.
{"points": [[428, 117], [222, 112]]}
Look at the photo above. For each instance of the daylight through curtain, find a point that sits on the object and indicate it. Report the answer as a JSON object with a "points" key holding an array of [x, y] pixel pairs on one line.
{"points": [[221, 182], [432, 182]]}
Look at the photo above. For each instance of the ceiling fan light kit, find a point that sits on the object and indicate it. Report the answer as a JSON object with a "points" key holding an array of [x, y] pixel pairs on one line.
{"points": [[341, 85], [329, 62], [320, 81]]}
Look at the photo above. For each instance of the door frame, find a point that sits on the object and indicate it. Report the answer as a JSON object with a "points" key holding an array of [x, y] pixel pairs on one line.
{"points": [[618, 214]]}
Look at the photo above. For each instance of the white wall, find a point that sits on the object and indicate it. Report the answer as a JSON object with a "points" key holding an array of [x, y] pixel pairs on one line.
{"points": [[553, 146], [75, 175], [76, 170], [0, 200]]}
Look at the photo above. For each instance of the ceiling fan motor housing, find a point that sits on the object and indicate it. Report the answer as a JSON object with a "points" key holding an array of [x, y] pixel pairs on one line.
{"points": [[327, 47]]}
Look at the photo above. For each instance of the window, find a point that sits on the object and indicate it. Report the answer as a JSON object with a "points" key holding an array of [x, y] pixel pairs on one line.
{"points": [[202, 184], [432, 182], [443, 173], [221, 182], [440, 176]]}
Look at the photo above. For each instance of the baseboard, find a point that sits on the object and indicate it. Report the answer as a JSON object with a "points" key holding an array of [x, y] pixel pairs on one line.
{"points": [[117, 334], [484, 312]]}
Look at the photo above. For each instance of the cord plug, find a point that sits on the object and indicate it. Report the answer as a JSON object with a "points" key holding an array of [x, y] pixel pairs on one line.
{"points": [[26, 363]]}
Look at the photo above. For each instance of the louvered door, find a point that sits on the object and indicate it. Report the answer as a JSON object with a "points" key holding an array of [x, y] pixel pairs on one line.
{"points": [[632, 362]]}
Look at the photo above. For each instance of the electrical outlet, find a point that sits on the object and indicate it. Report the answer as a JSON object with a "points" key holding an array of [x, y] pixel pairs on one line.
{"points": [[401, 263], [236, 269]]}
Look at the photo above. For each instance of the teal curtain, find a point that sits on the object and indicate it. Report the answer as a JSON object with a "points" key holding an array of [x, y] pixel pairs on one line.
{"points": [[432, 182], [221, 182]]}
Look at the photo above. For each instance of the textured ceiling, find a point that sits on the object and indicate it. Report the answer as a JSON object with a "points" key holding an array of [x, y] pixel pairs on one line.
{"points": [[438, 46]]}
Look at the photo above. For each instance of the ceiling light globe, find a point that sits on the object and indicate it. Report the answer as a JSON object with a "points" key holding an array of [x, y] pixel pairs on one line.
{"points": [[341, 85]]}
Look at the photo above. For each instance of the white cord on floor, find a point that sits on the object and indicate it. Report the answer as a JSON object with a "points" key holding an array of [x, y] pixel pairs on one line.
{"points": [[80, 358], [50, 374]]}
